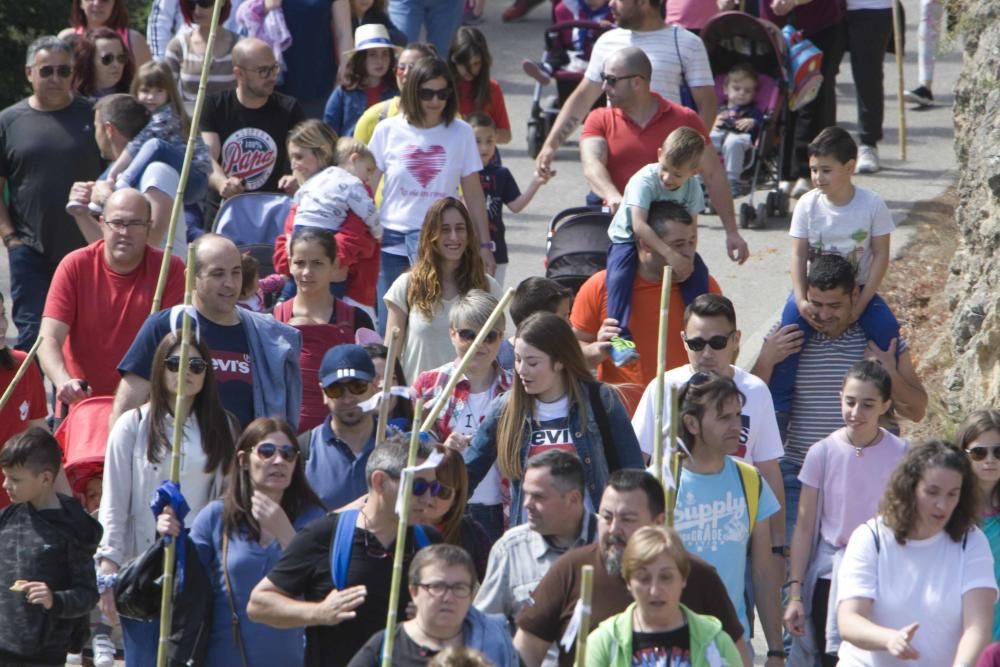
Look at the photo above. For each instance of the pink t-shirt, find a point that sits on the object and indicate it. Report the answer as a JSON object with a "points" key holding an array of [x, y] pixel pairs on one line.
{"points": [[852, 485]]}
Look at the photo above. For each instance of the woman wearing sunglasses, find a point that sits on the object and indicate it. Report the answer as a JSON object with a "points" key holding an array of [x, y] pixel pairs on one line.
{"points": [[86, 15], [423, 155], [419, 301], [553, 403], [979, 436], [468, 404], [102, 65], [240, 537], [186, 51], [442, 584], [138, 459]]}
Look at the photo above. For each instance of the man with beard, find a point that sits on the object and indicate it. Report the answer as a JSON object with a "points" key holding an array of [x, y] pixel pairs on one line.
{"points": [[631, 500]]}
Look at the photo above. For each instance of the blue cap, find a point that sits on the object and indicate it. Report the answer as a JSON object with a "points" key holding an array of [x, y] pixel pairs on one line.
{"points": [[346, 362]]}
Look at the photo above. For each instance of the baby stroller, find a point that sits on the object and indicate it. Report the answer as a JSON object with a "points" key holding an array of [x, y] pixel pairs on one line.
{"points": [[252, 217], [565, 68], [577, 245], [735, 37], [83, 436]]}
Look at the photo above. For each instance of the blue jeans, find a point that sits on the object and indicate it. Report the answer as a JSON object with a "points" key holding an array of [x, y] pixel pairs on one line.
{"points": [[141, 640], [158, 150], [622, 262], [30, 276], [793, 489], [441, 18], [393, 266], [879, 325]]}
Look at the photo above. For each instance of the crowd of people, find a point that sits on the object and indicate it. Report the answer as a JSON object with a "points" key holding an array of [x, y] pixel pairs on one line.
{"points": [[799, 509]]}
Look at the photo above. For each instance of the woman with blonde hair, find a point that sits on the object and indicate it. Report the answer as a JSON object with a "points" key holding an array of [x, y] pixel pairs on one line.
{"points": [[448, 266], [554, 402]]}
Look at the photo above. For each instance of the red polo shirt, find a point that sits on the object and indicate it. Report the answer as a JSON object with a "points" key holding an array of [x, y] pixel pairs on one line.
{"points": [[631, 147]]}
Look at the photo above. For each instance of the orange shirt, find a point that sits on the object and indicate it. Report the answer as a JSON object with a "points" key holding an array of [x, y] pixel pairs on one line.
{"points": [[590, 308]]}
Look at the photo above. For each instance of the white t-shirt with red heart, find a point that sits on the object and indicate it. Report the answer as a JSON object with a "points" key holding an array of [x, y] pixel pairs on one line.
{"points": [[420, 166]]}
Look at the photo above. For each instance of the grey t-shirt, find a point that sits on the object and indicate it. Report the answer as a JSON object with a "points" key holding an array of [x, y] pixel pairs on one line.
{"points": [[42, 153]]}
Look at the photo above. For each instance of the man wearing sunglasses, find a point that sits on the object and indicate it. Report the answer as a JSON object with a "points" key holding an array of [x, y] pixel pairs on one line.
{"points": [[338, 449], [712, 343], [115, 277], [299, 589], [46, 143]]}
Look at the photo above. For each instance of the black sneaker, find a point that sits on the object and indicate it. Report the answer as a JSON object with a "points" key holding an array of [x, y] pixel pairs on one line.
{"points": [[921, 96]]}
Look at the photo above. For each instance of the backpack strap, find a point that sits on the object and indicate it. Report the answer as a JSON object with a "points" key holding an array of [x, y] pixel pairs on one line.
{"points": [[305, 444], [420, 537], [340, 551], [234, 617], [604, 425], [344, 313], [751, 482]]}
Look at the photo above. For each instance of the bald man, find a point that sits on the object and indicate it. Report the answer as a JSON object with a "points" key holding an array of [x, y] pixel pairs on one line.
{"points": [[245, 129], [100, 296], [255, 358]]}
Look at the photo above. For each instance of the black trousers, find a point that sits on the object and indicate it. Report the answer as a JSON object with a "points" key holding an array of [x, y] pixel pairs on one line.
{"points": [[866, 36]]}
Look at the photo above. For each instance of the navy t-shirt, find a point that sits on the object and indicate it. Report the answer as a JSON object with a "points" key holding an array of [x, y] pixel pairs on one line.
{"points": [[230, 352], [500, 188]]}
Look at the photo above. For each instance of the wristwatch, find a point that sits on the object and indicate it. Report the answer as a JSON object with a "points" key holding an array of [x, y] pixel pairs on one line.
{"points": [[777, 654], [489, 245], [784, 551]]}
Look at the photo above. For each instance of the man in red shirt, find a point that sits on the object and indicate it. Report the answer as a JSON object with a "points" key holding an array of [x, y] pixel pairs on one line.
{"points": [[100, 296], [673, 224]]}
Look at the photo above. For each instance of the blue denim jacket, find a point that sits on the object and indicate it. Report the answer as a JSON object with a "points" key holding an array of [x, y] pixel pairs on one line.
{"points": [[344, 108], [482, 452]]}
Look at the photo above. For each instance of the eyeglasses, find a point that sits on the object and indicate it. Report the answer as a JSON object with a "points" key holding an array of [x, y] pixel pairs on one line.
{"points": [[267, 71], [196, 365], [109, 58], [715, 342], [125, 225], [468, 335], [266, 450], [979, 453], [428, 94], [611, 79], [438, 589], [336, 390], [64, 71], [437, 489]]}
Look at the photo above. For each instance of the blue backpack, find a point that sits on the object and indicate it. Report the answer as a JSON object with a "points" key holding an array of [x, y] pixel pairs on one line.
{"points": [[343, 538]]}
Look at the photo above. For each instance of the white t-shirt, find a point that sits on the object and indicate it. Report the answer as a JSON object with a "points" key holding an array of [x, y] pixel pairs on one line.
{"points": [[161, 176], [842, 230], [325, 200], [467, 422], [922, 582], [668, 58], [550, 427], [420, 166], [759, 437]]}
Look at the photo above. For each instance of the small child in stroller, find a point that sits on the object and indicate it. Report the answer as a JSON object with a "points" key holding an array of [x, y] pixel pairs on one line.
{"points": [[738, 123]]}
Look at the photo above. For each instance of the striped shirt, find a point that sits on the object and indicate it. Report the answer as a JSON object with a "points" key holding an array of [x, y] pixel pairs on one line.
{"points": [[186, 66], [671, 50], [823, 363]]}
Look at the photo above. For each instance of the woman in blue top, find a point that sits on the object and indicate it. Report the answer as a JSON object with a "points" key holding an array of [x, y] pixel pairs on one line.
{"points": [[240, 538], [554, 402]]}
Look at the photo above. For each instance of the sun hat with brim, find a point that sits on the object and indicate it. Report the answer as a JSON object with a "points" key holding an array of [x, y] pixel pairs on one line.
{"points": [[372, 36]]}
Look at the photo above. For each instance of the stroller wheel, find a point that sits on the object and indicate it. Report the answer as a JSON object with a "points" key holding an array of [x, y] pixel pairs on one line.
{"points": [[536, 136], [760, 220], [747, 216], [777, 204]]}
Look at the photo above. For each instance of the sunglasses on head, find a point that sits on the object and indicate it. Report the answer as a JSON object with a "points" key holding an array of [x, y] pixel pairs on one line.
{"points": [[267, 450], [64, 71], [468, 335], [109, 58], [428, 94], [337, 389], [437, 489], [715, 342], [979, 453], [196, 365]]}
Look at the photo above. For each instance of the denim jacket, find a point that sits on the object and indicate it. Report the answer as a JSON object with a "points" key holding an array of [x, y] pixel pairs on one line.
{"points": [[344, 108], [482, 452]]}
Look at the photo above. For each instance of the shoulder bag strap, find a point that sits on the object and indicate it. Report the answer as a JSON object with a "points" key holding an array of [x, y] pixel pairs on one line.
{"points": [[234, 617], [604, 425], [305, 444]]}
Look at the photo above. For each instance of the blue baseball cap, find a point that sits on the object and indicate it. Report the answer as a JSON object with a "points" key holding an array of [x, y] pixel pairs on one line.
{"points": [[346, 362]]}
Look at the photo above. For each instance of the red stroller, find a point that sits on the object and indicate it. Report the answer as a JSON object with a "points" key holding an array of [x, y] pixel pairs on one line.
{"points": [[83, 436]]}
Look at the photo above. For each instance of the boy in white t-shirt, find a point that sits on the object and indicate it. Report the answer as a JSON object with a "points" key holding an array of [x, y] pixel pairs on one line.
{"points": [[837, 218]]}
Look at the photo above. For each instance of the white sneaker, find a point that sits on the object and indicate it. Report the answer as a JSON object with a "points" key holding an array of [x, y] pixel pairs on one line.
{"points": [[867, 160], [74, 658], [104, 651]]}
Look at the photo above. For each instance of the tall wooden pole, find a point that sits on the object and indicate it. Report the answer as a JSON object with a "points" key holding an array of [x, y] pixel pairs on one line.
{"points": [[21, 370], [661, 368], [897, 36], [586, 594], [394, 342]]}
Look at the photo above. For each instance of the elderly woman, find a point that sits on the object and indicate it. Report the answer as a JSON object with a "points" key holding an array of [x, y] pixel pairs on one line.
{"points": [[916, 583], [442, 584], [655, 567]]}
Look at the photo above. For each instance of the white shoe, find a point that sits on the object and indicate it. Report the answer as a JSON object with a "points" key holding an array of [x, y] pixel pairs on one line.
{"points": [[802, 186], [74, 658], [867, 160], [104, 651]]}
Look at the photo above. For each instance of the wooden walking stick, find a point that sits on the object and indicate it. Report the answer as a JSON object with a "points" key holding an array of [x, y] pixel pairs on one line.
{"points": [[393, 343], [897, 36], [661, 367], [439, 404], [586, 593], [178, 208], [676, 455], [180, 416], [21, 370], [405, 488]]}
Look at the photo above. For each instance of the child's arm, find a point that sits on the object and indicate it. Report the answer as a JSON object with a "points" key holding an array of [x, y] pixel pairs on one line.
{"points": [[645, 233], [517, 205], [880, 264], [120, 165], [800, 256]]}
